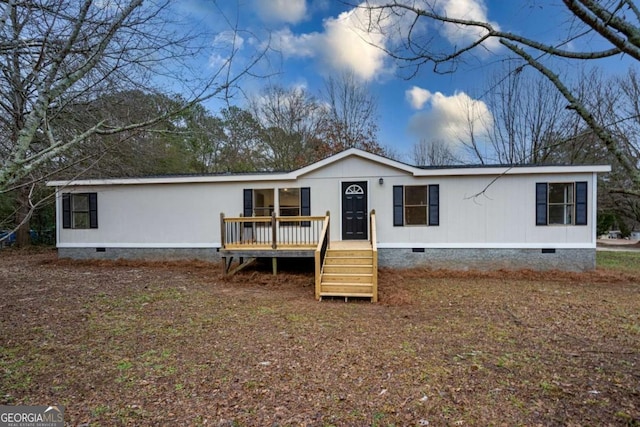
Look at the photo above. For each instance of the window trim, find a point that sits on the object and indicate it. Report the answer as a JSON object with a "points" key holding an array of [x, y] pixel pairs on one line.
{"points": [[303, 207], [297, 207], [304, 201], [266, 210], [568, 205], [68, 211], [579, 203], [425, 206], [432, 205]]}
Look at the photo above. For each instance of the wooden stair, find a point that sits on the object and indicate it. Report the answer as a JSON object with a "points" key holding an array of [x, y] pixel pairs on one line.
{"points": [[349, 272]]}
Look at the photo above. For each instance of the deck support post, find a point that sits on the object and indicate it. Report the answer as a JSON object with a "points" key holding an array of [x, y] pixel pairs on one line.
{"points": [[274, 265], [238, 267], [226, 264], [223, 230]]}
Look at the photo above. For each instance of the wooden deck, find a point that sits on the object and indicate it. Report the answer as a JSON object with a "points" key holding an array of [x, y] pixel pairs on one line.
{"points": [[266, 250], [248, 238], [342, 268]]}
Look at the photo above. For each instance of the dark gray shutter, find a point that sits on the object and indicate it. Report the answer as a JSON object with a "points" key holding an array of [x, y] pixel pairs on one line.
{"points": [[305, 205], [541, 203], [93, 210], [434, 204], [247, 203], [66, 210], [398, 205], [581, 203]]}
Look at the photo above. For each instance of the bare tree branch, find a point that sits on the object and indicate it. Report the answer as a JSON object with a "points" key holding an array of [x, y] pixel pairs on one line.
{"points": [[621, 31]]}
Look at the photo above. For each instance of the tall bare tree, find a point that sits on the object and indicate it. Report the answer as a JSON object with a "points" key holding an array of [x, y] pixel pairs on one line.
{"points": [[352, 116], [529, 117], [616, 101], [291, 121], [615, 23], [433, 153], [56, 55]]}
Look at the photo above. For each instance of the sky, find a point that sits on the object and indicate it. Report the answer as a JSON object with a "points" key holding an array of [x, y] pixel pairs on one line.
{"points": [[311, 40]]}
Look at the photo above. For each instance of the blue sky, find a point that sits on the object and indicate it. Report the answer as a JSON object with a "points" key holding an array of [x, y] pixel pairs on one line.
{"points": [[313, 39]]}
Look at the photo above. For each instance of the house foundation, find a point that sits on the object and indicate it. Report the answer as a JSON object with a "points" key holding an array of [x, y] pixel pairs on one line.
{"points": [[452, 259], [489, 259]]}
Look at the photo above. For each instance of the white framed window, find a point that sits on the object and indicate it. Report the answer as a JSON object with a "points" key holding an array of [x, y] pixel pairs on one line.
{"points": [[263, 202], [416, 205], [289, 201], [561, 203], [80, 210]]}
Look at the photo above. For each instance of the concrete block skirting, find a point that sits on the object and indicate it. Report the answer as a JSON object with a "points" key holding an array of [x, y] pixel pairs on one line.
{"points": [[454, 259], [151, 254], [490, 259]]}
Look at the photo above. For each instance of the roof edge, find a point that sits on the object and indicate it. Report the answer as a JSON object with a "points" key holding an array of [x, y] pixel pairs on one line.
{"points": [[293, 175], [514, 170]]}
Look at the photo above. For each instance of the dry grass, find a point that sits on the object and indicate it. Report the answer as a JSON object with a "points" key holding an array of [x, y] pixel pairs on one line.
{"points": [[138, 343]]}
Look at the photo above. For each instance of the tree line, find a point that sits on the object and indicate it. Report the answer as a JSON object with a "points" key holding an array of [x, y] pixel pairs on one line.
{"points": [[279, 129]]}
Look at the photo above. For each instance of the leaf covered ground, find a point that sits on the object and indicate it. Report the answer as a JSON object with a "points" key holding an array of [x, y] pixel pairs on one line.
{"points": [[126, 343]]}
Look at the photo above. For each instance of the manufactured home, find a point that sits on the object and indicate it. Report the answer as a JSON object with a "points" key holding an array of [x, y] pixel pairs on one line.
{"points": [[353, 208]]}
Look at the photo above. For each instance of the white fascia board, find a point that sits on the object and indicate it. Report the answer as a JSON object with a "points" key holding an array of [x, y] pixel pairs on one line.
{"points": [[292, 176], [358, 153], [516, 170], [142, 245], [175, 180], [546, 245], [264, 177]]}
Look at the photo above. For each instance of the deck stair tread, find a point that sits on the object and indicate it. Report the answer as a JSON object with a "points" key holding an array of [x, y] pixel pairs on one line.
{"points": [[348, 268], [348, 272], [345, 295], [354, 285], [347, 277], [348, 288]]}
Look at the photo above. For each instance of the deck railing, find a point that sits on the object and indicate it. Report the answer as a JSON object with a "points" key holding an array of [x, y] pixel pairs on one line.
{"points": [[270, 231], [320, 253], [374, 248]]}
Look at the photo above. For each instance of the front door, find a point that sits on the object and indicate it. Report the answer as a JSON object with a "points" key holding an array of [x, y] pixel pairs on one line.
{"points": [[354, 210]]}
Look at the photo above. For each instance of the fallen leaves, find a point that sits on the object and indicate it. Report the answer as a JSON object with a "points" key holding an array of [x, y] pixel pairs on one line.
{"points": [[139, 343]]}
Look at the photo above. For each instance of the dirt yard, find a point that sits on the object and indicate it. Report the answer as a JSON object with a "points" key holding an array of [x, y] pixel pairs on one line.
{"points": [[177, 344]]}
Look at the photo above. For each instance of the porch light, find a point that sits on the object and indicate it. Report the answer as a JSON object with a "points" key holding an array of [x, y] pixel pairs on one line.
{"points": [[381, 181]]}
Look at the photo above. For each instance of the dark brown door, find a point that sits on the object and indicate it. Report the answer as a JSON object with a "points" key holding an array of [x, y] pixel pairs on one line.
{"points": [[354, 210]]}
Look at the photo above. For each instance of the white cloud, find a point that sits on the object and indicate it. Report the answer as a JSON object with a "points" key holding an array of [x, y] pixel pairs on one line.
{"points": [[288, 11], [417, 97], [227, 39], [349, 46], [225, 42], [472, 10], [344, 44], [292, 45], [447, 118]]}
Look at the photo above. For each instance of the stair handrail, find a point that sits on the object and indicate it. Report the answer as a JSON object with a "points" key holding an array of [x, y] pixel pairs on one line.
{"points": [[321, 252], [374, 249]]}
